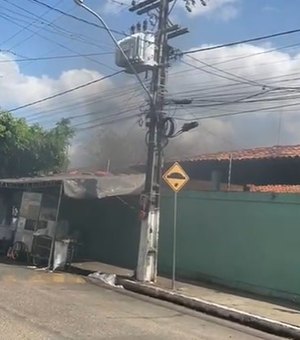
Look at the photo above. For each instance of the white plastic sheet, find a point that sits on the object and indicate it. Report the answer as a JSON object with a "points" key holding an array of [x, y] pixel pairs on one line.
{"points": [[108, 279]]}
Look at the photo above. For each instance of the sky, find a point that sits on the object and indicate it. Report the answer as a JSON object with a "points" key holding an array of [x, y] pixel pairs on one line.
{"points": [[243, 96]]}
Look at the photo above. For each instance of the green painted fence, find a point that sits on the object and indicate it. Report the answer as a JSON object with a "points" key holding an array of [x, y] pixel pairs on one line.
{"points": [[249, 241]]}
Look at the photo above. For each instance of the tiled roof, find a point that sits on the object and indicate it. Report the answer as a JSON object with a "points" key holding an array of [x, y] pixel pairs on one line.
{"points": [[277, 188], [88, 173], [286, 151]]}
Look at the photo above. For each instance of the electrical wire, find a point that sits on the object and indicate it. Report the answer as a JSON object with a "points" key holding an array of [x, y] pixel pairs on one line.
{"points": [[44, 25], [75, 17], [245, 41], [124, 55], [65, 92], [30, 24], [245, 80], [95, 126], [231, 114], [172, 7], [79, 37], [98, 117], [250, 55], [58, 30], [88, 101], [241, 57], [111, 117], [70, 56], [205, 90], [73, 116], [249, 81], [57, 43], [218, 75]]}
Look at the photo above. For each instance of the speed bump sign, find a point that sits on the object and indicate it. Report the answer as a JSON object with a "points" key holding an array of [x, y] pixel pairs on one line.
{"points": [[176, 177]]}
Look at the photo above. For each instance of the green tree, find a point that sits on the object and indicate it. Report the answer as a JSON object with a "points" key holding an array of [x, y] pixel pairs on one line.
{"points": [[28, 150]]}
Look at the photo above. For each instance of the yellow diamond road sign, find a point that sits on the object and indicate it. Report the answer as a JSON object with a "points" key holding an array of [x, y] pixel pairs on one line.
{"points": [[176, 177]]}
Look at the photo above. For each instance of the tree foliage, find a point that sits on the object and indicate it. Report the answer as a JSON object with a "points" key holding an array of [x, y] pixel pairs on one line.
{"points": [[28, 150]]}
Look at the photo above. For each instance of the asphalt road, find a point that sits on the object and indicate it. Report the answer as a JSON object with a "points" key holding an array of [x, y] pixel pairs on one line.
{"points": [[39, 305]]}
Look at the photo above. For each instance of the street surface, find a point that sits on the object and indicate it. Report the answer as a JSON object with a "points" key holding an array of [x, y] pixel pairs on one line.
{"points": [[39, 305]]}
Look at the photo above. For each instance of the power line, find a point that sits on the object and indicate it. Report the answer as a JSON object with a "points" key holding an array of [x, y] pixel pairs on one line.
{"points": [[205, 90], [107, 123], [57, 29], [245, 41], [172, 7], [230, 114], [238, 58], [249, 81], [125, 110], [246, 101], [248, 55], [56, 42], [90, 99], [65, 92], [102, 118], [110, 117], [30, 24], [230, 73], [216, 74], [50, 112], [72, 105], [79, 37], [75, 17], [13, 53], [70, 56]]}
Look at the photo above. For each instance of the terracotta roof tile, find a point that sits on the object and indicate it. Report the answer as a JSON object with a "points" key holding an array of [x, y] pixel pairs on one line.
{"points": [[285, 151], [277, 188]]}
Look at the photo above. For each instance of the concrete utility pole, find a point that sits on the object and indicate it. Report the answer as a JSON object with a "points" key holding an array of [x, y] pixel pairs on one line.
{"points": [[148, 247], [150, 202]]}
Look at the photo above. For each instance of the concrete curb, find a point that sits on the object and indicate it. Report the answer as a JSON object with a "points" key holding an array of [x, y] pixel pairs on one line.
{"points": [[247, 319]]}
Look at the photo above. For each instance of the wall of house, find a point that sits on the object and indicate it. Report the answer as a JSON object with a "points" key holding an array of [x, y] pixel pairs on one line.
{"points": [[108, 229], [249, 241]]}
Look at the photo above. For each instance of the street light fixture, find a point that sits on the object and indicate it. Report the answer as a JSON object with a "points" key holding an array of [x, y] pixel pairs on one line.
{"points": [[189, 126], [185, 128], [95, 14]]}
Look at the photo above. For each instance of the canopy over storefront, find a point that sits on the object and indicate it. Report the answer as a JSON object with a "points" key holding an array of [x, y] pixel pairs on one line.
{"points": [[82, 186]]}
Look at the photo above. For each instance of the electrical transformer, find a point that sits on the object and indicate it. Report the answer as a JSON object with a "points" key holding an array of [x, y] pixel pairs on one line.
{"points": [[139, 49]]}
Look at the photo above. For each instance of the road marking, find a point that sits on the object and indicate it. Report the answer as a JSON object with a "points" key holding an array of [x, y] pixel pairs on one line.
{"points": [[40, 278], [9, 278]]}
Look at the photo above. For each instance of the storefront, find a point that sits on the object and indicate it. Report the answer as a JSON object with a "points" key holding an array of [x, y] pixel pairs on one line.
{"points": [[58, 219]]}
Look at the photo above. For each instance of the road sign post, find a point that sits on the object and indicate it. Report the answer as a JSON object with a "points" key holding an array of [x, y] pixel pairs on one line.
{"points": [[174, 242], [176, 178]]}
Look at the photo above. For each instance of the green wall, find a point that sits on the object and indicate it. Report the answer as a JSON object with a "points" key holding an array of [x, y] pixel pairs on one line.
{"points": [[108, 228], [250, 241]]}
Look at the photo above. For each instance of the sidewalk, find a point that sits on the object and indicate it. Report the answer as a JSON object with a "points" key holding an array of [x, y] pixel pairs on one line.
{"points": [[267, 316], [246, 304]]}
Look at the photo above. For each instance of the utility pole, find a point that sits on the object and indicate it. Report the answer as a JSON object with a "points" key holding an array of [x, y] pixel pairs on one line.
{"points": [[160, 127], [150, 200], [148, 247]]}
